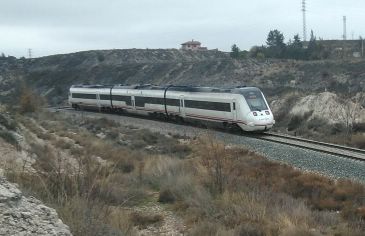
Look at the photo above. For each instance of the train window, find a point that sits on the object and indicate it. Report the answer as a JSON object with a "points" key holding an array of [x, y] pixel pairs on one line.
{"points": [[172, 102], [234, 106], [122, 98], [83, 95], [255, 100], [205, 105], [152, 100], [104, 97], [141, 101]]}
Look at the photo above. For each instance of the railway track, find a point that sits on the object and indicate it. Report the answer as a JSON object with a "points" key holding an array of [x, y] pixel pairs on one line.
{"points": [[328, 148]]}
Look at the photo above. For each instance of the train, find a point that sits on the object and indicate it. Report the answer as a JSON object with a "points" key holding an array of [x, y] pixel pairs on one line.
{"points": [[243, 107]]}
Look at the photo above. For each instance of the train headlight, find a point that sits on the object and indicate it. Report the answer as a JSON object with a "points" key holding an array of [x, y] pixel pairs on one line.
{"points": [[254, 113], [267, 112]]}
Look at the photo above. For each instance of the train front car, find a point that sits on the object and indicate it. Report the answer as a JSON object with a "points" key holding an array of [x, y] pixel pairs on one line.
{"points": [[254, 110]]}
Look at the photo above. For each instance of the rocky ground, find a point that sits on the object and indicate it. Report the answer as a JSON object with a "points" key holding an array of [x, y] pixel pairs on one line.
{"points": [[22, 215]]}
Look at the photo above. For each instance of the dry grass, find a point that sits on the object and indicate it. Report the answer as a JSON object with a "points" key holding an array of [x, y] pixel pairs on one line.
{"points": [[218, 190]]}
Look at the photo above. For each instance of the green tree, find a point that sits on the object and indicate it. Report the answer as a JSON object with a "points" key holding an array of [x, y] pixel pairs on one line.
{"points": [[295, 48], [315, 50], [276, 46], [297, 43], [244, 54], [275, 39], [235, 51]]}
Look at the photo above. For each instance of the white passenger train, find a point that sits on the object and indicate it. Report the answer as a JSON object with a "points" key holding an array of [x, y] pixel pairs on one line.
{"points": [[242, 106]]}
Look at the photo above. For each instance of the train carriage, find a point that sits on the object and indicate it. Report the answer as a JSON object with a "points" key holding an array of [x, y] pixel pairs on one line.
{"points": [[242, 106]]}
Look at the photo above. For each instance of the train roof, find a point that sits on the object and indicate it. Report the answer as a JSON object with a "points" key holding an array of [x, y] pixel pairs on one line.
{"points": [[180, 88]]}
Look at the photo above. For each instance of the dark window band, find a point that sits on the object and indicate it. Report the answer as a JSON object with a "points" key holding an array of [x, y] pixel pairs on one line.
{"points": [[84, 95], [205, 105], [104, 97], [122, 98], [141, 101]]}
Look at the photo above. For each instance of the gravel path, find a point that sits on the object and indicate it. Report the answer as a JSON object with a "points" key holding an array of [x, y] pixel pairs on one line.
{"points": [[326, 164]]}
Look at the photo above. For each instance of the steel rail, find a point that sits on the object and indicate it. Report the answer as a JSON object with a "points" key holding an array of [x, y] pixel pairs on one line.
{"points": [[329, 148]]}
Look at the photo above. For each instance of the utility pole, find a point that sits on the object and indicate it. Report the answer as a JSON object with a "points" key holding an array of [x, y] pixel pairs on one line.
{"points": [[29, 53], [304, 21], [344, 28]]}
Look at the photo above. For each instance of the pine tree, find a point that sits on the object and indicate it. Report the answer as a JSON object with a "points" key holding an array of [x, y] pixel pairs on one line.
{"points": [[235, 52]]}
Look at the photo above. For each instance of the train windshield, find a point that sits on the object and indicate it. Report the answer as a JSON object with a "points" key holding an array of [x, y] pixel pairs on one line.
{"points": [[255, 100]]}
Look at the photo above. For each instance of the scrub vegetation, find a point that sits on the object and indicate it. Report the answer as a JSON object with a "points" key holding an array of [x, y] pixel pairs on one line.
{"points": [[103, 178]]}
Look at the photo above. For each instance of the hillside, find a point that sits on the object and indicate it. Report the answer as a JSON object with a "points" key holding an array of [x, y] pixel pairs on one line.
{"points": [[289, 85], [112, 177], [53, 75]]}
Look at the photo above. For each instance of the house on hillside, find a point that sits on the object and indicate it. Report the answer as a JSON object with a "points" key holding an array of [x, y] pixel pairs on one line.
{"points": [[192, 45]]}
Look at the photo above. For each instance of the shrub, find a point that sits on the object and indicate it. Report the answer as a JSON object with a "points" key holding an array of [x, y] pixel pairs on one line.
{"points": [[318, 124], [7, 122], [144, 220], [166, 196], [358, 127], [358, 140], [29, 101], [295, 122], [63, 144], [45, 157], [181, 150], [10, 138]]}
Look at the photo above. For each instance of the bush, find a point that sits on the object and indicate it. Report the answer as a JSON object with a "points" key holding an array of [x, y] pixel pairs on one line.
{"points": [[10, 138], [7, 122], [295, 122], [358, 140], [142, 220], [166, 196], [358, 127], [29, 101]]}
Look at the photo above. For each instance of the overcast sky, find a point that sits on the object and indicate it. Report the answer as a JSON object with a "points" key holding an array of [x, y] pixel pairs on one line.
{"points": [[63, 26]]}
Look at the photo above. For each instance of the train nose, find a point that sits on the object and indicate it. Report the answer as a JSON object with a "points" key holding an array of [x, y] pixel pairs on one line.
{"points": [[261, 118]]}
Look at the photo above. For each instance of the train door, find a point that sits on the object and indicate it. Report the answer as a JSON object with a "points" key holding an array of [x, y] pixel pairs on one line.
{"points": [[98, 101], [234, 109], [182, 107], [133, 101]]}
